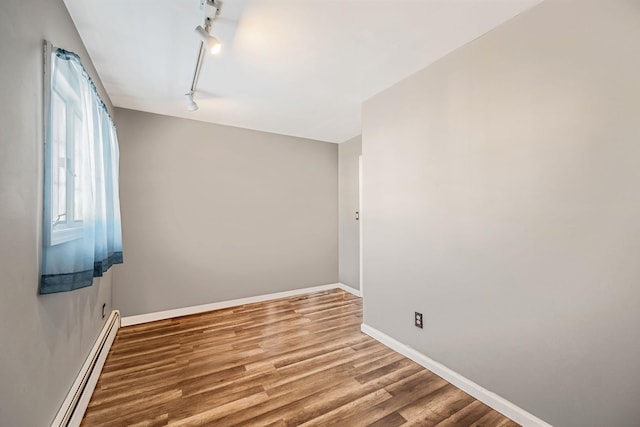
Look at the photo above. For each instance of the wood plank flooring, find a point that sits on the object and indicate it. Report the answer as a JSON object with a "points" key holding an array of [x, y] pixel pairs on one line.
{"points": [[299, 361]]}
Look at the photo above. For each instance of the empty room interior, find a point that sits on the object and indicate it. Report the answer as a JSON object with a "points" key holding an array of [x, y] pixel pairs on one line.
{"points": [[320, 213]]}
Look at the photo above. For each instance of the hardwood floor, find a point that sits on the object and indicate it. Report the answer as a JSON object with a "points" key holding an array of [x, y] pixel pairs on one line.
{"points": [[299, 361]]}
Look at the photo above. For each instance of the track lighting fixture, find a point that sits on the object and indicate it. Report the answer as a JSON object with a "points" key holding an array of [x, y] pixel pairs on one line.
{"points": [[211, 43], [191, 104], [208, 43]]}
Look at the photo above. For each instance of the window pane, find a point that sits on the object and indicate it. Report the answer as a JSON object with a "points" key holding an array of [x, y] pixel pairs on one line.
{"points": [[59, 160], [77, 169]]}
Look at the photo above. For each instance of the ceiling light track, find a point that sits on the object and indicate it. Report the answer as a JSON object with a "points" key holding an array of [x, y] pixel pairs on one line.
{"points": [[208, 43]]}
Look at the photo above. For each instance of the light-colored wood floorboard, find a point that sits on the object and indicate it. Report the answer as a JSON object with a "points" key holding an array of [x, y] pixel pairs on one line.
{"points": [[298, 361]]}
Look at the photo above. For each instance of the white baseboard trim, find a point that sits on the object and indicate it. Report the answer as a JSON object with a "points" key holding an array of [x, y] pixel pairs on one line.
{"points": [[349, 289], [487, 397], [168, 314], [77, 400]]}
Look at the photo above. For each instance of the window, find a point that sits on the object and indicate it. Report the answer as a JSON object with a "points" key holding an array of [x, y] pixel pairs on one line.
{"points": [[67, 159], [82, 235]]}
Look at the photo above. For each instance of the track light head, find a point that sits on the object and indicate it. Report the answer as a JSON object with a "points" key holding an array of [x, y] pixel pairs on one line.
{"points": [[212, 44], [191, 104]]}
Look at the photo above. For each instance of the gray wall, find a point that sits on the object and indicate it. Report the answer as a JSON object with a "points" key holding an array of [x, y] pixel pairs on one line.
{"points": [[212, 213], [349, 233], [45, 339], [501, 200]]}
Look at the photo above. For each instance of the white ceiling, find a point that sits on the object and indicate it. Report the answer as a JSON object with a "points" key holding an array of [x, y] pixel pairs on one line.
{"points": [[294, 67]]}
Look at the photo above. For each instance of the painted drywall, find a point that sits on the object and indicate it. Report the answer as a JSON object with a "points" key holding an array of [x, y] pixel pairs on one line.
{"points": [[501, 200], [45, 339], [349, 232], [213, 213]]}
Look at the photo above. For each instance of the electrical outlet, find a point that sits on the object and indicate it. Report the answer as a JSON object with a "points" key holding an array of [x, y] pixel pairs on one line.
{"points": [[418, 320], [104, 310]]}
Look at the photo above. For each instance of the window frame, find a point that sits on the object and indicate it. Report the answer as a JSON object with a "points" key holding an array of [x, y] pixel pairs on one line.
{"points": [[56, 233]]}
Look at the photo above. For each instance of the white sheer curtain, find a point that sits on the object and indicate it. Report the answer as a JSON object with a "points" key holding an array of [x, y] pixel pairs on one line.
{"points": [[82, 232]]}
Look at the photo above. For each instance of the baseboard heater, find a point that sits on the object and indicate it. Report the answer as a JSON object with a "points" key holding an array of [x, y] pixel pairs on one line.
{"points": [[77, 400]]}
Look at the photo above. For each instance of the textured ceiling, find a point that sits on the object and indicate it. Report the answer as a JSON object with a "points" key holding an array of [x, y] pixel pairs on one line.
{"points": [[295, 67]]}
